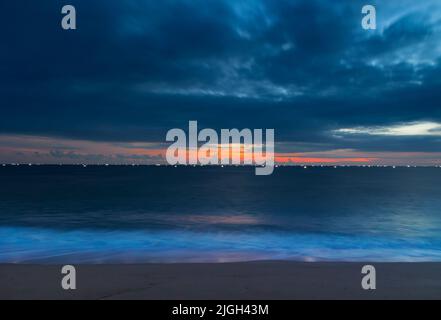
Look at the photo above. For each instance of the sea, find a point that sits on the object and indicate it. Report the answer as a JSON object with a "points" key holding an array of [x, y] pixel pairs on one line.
{"points": [[164, 214]]}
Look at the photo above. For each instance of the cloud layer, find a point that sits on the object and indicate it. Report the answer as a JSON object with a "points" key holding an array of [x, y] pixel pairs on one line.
{"points": [[134, 69]]}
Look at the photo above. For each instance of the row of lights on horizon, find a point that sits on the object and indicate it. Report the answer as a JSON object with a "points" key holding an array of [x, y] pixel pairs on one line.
{"points": [[222, 166]]}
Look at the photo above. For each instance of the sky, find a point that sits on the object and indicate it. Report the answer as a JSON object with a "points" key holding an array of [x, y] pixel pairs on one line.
{"points": [[109, 91]]}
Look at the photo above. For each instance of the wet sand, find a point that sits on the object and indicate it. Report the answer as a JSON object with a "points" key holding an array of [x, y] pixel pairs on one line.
{"points": [[233, 281]]}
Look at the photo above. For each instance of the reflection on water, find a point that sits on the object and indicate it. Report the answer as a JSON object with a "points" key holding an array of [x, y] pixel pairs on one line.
{"points": [[143, 214], [239, 219]]}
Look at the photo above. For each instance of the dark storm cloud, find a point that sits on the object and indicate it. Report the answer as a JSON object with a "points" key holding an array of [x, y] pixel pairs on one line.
{"points": [[135, 69]]}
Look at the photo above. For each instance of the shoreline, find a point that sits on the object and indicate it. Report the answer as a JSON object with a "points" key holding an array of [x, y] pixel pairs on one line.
{"points": [[261, 280]]}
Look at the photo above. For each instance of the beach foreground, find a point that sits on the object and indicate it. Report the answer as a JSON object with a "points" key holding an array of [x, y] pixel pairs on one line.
{"points": [[252, 280]]}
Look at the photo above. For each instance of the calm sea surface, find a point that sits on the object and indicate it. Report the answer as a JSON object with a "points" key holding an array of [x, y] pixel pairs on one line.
{"points": [[125, 214]]}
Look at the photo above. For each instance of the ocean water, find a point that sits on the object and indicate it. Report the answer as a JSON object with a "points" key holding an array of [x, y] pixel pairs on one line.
{"points": [[125, 214]]}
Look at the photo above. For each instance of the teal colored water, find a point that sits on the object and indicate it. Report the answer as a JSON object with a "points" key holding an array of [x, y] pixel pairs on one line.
{"points": [[55, 214]]}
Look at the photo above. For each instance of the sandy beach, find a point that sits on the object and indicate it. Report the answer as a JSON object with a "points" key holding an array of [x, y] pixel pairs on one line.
{"points": [[241, 281]]}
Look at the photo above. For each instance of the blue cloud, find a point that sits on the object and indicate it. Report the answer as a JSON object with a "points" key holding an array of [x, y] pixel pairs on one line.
{"points": [[134, 69]]}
